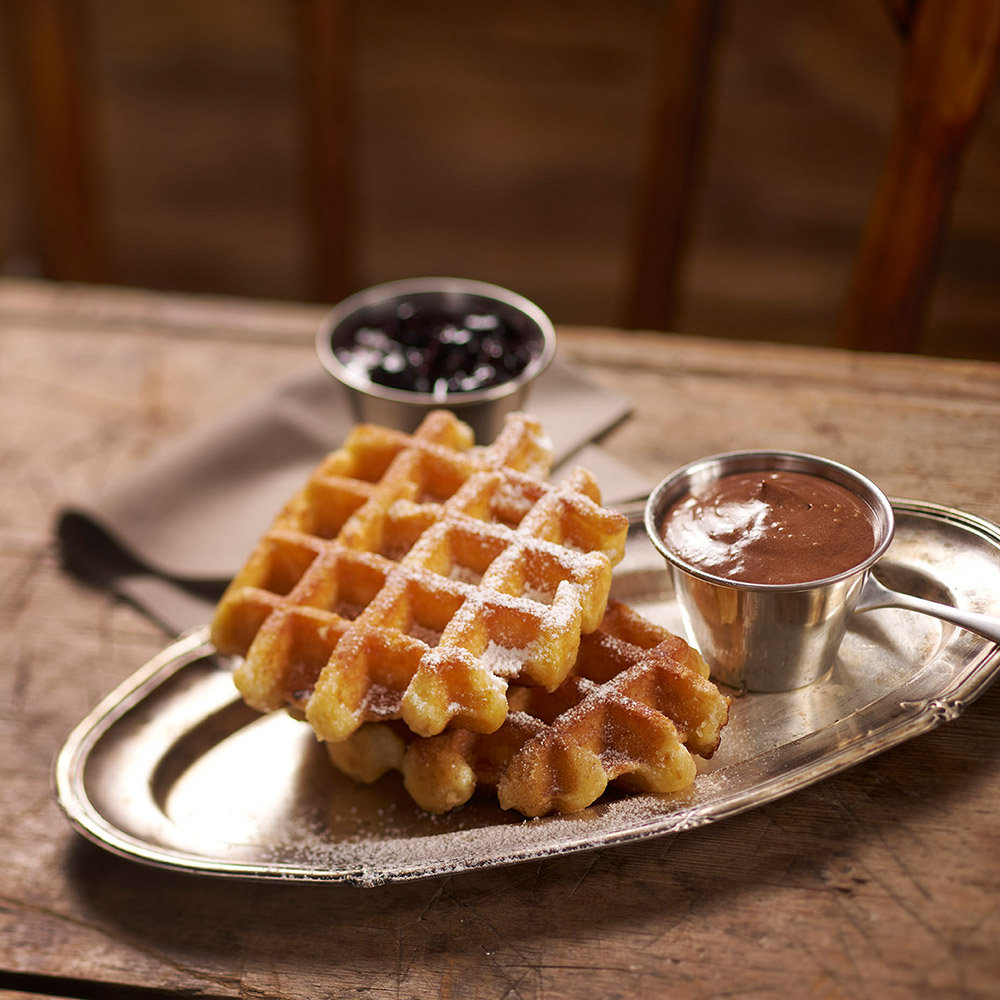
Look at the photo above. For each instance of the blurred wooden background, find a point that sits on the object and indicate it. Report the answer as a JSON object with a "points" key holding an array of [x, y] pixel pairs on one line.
{"points": [[502, 142]]}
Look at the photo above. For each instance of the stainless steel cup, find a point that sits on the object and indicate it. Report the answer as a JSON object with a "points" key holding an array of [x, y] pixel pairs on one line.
{"points": [[483, 409], [766, 637]]}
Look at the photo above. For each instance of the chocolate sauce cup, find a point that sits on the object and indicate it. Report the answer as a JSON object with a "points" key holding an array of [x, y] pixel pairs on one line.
{"points": [[758, 636], [484, 409]]}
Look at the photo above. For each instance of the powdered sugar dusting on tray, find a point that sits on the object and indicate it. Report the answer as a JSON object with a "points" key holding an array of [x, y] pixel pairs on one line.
{"points": [[396, 841]]}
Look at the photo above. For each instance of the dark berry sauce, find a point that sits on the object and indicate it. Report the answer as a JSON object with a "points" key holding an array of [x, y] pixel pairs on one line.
{"points": [[418, 347]]}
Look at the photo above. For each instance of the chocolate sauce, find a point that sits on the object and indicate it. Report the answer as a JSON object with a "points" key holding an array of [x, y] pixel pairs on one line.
{"points": [[771, 527]]}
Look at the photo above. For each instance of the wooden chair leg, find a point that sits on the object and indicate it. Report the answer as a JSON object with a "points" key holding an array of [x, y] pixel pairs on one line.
{"points": [[46, 44], [949, 64], [668, 182], [326, 43]]}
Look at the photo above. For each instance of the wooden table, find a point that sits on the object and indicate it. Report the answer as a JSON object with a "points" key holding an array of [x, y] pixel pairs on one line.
{"points": [[883, 881]]}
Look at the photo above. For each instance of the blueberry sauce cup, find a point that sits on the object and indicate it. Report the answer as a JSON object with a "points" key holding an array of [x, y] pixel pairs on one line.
{"points": [[766, 636], [404, 348]]}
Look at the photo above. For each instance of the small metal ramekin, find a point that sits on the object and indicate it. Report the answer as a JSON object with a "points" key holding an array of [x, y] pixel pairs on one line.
{"points": [[766, 637], [483, 409]]}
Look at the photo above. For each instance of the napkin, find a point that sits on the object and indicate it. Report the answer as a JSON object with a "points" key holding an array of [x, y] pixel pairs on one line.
{"points": [[169, 538]]}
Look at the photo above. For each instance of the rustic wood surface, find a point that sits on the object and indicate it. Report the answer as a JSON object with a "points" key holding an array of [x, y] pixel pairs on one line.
{"points": [[883, 881]]}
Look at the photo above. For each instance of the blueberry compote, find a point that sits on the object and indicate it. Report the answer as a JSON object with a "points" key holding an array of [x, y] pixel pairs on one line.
{"points": [[424, 347]]}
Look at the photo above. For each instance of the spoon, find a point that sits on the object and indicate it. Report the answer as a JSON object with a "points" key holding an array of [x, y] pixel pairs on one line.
{"points": [[874, 595]]}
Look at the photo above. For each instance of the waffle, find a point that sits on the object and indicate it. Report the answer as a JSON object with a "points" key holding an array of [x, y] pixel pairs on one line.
{"points": [[636, 710], [416, 576]]}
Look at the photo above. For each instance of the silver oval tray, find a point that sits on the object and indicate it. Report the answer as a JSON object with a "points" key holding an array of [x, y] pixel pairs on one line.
{"points": [[173, 770]]}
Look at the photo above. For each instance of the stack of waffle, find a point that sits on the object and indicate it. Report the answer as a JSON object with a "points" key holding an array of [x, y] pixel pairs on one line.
{"points": [[442, 609]]}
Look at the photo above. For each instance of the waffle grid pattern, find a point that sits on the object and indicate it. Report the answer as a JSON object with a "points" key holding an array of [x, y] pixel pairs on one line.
{"points": [[416, 576], [636, 711]]}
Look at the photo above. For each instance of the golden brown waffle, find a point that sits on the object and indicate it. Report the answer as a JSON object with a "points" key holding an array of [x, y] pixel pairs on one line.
{"points": [[416, 576], [636, 710]]}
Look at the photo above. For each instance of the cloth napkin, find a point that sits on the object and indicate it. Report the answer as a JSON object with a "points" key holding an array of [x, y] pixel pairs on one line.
{"points": [[169, 538]]}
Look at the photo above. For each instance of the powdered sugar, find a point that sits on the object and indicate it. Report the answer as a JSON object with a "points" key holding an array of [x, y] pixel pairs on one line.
{"points": [[503, 661]]}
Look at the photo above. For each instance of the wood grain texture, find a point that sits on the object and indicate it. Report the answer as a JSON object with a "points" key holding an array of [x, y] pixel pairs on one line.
{"points": [[47, 43], [881, 881], [950, 63], [671, 166], [505, 143], [327, 40]]}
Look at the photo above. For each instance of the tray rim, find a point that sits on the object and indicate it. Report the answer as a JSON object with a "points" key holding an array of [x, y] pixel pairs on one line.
{"points": [[914, 718]]}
